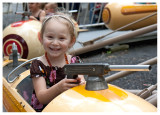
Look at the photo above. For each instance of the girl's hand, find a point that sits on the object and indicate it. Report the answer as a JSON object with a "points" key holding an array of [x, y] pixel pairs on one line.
{"points": [[81, 79], [66, 84]]}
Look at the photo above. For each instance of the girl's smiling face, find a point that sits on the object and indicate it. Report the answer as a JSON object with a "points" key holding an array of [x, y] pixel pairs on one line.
{"points": [[56, 38]]}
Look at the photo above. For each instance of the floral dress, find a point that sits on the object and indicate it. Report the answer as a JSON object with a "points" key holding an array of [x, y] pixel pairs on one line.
{"points": [[38, 69]]}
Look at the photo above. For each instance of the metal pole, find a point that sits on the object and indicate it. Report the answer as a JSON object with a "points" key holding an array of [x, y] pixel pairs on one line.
{"points": [[100, 14], [16, 11], [7, 14], [124, 73], [15, 55], [93, 13], [147, 92], [136, 91], [67, 6], [77, 20], [91, 25], [72, 6], [85, 16], [152, 99], [129, 67], [114, 40]]}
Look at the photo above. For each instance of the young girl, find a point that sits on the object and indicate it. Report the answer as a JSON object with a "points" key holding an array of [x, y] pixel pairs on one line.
{"points": [[50, 8], [57, 36], [36, 12]]}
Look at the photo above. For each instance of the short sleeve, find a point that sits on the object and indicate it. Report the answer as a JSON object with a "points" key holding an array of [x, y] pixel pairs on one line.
{"points": [[37, 69], [76, 59]]}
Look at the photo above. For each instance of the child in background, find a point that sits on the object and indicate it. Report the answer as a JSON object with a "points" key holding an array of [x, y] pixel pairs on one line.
{"points": [[43, 5], [36, 12], [50, 8], [58, 35]]}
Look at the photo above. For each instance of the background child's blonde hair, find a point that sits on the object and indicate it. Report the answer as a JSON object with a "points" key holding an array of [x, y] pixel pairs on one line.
{"points": [[54, 6]]}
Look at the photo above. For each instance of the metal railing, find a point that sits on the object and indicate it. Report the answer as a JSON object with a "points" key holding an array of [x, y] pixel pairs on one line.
{"points": [[17, 68], [88, 14]]}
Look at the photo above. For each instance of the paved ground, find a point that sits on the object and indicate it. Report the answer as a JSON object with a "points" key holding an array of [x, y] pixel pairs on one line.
{"points": [[137, 53]]}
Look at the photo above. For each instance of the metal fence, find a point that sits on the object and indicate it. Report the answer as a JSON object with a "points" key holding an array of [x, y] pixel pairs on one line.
{"points": [[86, 14]]}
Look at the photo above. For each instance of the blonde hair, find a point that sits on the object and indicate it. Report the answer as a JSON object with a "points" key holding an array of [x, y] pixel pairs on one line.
{"points": [[63, 18], [54, 6]]}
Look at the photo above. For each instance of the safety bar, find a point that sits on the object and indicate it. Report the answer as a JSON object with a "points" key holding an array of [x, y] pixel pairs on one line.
{"points": [[17, 68]]}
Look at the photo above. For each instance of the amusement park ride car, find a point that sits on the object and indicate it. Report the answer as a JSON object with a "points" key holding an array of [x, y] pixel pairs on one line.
{"points": [[20, 38], [97, 96]]}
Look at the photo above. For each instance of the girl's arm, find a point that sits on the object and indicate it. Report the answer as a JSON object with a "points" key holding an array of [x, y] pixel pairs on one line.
{"points": [[42, 16], [32, 18], [45, 95]]}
